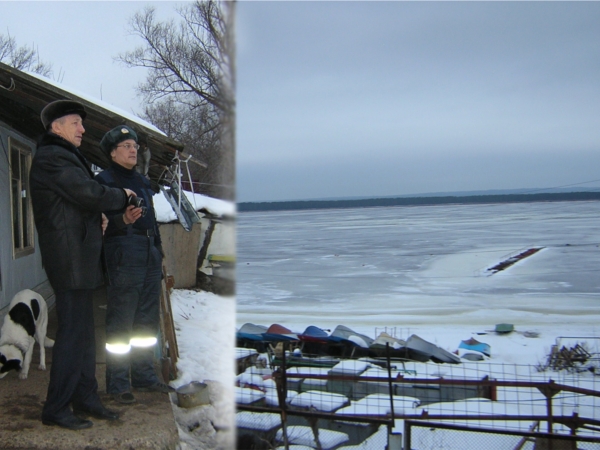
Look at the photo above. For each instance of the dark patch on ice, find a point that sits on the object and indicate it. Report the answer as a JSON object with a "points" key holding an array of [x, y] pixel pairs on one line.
{"points": [[513, 259]]}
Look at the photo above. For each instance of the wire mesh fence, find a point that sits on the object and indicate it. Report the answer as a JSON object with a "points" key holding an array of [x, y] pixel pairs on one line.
{"points": [[269, 431], [326, 403], [431, 435]]}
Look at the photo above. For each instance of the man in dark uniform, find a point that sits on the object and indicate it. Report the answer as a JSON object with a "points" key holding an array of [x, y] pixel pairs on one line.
{"points": [[133, 253], [67, 206]]}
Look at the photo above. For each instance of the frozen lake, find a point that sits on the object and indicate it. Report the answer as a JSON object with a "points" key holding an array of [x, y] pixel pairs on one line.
{"points": [[424, 270], [407, 267]]}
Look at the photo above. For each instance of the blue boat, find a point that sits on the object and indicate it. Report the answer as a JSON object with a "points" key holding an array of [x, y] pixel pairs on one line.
{"points": [[475, 345], [314, 334], [251, 332]]}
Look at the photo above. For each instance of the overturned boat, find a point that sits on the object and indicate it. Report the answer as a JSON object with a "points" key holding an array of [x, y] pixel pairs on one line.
{"points": [[279, 333], [344, 334], [314, 334], [251, 332], [473, 345], [421, 350], [384, 343]]}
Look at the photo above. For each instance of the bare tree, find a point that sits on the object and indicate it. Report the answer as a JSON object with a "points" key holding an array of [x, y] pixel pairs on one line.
{"points": [[189, 88], [22, 58], [200, 130]]}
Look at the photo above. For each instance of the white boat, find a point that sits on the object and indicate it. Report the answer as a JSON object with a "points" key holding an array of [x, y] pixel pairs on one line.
{"points": [[421, 350], [380, 345]]}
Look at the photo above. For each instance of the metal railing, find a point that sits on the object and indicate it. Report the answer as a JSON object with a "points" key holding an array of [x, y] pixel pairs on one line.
{"points": [[431, 391]]}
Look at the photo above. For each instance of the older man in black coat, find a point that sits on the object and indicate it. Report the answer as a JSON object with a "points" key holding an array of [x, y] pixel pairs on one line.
{"points": [[67, 206]]}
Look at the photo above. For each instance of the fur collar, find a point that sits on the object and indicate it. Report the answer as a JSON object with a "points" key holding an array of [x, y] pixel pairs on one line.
{"points": [[50, 138]]}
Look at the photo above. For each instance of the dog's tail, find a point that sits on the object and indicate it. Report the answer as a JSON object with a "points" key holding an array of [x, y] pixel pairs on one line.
{"points": [[48, 342]]}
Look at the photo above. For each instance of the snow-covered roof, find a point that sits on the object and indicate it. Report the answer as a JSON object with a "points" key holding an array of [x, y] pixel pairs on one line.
{"points": [[26, 94], [121, 112], [214, 206]]}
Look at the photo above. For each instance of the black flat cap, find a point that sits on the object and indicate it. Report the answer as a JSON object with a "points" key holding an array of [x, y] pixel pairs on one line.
{"points": [[60, 108]]}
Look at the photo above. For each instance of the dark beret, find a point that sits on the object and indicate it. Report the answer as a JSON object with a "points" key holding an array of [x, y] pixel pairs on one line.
{"points": [[115, 136], [60, 108]]}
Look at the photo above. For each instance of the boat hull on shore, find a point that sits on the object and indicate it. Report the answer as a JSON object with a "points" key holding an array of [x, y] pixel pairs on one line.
{"points": [[421, 350]]}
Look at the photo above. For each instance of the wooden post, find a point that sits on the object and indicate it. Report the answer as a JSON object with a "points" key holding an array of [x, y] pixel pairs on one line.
{"points": [[170, 349]]}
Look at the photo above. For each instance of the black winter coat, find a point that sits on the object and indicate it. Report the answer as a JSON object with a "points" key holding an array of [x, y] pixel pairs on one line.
{"points": [[119, 176], [67, 206]]}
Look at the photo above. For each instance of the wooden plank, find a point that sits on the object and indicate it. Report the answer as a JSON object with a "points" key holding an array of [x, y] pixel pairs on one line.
{"points": [[181, 252], [169, 347]]}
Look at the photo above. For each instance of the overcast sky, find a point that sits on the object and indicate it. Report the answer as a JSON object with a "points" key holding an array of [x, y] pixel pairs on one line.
{"points": [[343, 99], [340, 99], [80, 40]]}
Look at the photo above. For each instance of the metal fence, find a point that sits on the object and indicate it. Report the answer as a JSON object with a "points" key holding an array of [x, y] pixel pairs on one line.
{"points": [[393, 404], [419, 435]]}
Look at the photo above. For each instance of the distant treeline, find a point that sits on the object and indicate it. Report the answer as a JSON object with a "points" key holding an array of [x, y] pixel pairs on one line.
{"points": [[416, 201]]}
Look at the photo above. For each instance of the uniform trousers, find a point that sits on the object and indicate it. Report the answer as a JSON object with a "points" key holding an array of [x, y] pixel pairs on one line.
{"points": [[135, 270]]}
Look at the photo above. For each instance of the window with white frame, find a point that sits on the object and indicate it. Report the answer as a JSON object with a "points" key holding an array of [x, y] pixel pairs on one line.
{"points": [[20, 198]]}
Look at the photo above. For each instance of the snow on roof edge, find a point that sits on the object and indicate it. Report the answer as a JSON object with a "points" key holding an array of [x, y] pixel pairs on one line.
{"points": [[215, 206], [95, 101]]}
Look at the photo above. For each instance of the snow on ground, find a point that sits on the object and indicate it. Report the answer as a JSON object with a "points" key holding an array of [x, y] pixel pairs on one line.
{"points": [[510, 400], [204, 324]]}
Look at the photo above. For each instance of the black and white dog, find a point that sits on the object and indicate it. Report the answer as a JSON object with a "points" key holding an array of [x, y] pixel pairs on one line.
{"points": [[26, 322]]}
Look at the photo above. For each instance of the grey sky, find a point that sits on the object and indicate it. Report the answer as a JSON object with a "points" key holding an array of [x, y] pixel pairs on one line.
{"points": [[340, 99], [80, 39]]}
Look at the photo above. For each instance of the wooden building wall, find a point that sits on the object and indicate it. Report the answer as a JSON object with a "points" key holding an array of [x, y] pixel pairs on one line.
{"points": [[17, 273], [182, 248], [181, 252]]}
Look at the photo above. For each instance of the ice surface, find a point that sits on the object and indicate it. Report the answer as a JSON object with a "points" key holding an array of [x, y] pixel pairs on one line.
{"points": [[424, 270]]}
